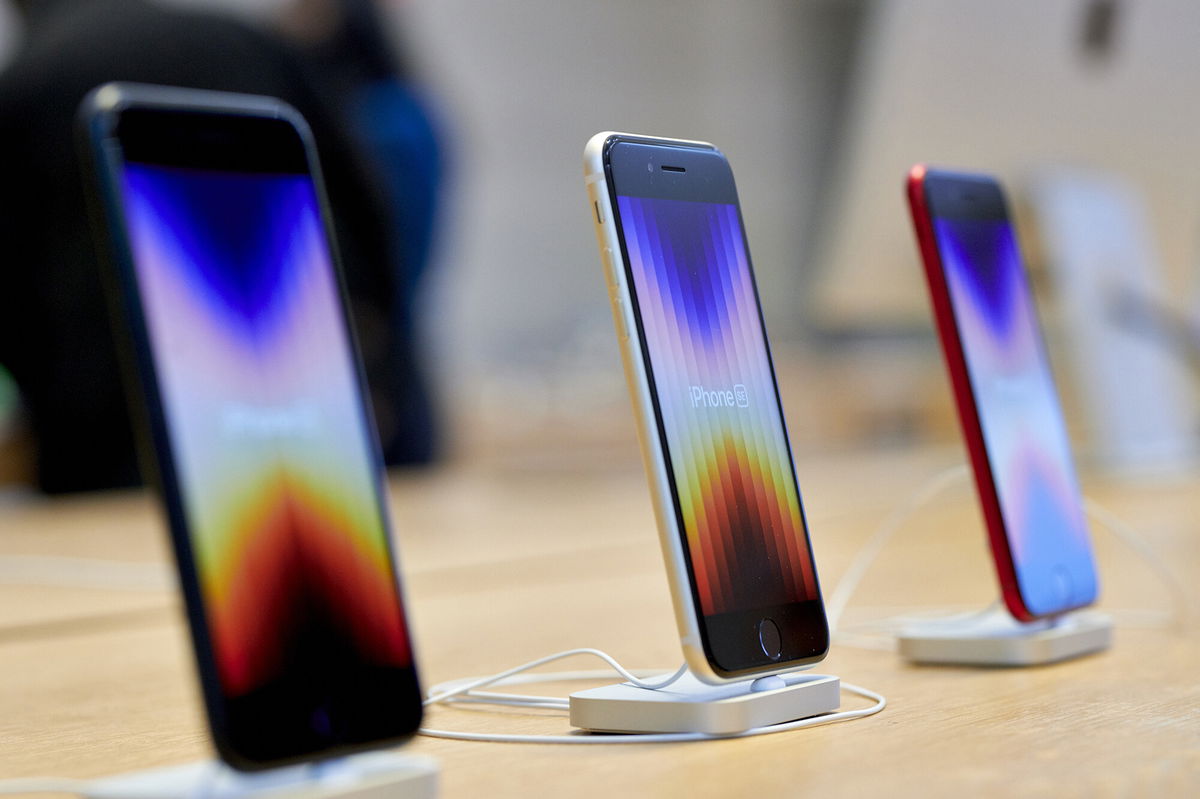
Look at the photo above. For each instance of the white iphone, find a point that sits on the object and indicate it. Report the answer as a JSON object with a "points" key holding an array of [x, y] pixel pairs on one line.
{"points": [[709, 416]]}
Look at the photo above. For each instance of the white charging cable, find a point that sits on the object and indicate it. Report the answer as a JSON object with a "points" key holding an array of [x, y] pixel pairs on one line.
{"points": [[466, 691], [866, 556], [879, 633], [1181, 604]]}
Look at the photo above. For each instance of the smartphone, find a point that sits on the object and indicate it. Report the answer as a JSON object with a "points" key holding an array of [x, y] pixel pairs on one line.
{"points": [[230, 302], [710, 421], [1007, 402]]}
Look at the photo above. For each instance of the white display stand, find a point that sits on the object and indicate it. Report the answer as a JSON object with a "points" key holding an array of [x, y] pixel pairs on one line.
{"points": [[995, 638], [374, 775], [688, 705]]}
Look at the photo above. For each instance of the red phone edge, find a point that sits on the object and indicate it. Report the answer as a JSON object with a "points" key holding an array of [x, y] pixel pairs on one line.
{"points": [[964, 397]]}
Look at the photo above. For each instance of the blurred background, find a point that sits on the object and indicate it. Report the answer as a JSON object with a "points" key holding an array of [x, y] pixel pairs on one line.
{"points": [[1085, 109]]}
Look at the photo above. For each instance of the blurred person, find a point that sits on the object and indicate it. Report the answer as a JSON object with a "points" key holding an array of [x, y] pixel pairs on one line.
{"points": [[55, 334], [390, 122]]}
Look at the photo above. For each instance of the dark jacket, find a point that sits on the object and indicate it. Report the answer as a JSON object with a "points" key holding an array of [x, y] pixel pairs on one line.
{"points": [[55, 335]]}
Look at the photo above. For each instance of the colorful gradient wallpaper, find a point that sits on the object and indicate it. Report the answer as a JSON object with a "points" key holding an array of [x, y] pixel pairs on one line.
{"points": [[270, 441], [1023, 427], [725, 438]]}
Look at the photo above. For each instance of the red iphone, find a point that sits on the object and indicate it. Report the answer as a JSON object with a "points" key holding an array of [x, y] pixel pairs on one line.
{"points": [[1005, 393]]}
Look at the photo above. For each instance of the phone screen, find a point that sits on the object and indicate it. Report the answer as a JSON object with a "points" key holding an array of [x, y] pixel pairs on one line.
{"points": [[1022, 424], [719, 414], [271, 449]]}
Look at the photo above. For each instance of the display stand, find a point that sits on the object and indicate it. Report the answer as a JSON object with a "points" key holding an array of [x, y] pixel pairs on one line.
{"points": [[374, 775], [688, 705], [994, 638]]}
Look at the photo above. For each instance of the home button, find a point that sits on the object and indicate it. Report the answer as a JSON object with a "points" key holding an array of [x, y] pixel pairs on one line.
{"points": [[769, 639]]}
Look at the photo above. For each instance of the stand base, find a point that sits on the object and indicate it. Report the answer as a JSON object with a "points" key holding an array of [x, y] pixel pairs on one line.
{"points": [[689, 705], [375, 775], [997, 639]]}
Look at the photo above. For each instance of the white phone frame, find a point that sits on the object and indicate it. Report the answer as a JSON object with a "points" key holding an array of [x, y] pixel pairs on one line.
{"points": [[687, 614]]}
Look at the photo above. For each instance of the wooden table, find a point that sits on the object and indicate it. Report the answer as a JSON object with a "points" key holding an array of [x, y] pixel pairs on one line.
{"points": [[508, 561]]}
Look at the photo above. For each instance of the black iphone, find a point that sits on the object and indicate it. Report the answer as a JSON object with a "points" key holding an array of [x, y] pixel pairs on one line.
{"points": [[251, 395]]}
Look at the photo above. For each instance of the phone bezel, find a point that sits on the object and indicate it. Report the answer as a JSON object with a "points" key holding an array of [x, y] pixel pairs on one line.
{"points": [[102, 115], [956, 195], [707, 178]]}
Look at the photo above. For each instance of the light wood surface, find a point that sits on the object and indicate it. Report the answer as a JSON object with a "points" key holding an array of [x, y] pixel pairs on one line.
{"points": [[506, 561]]}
